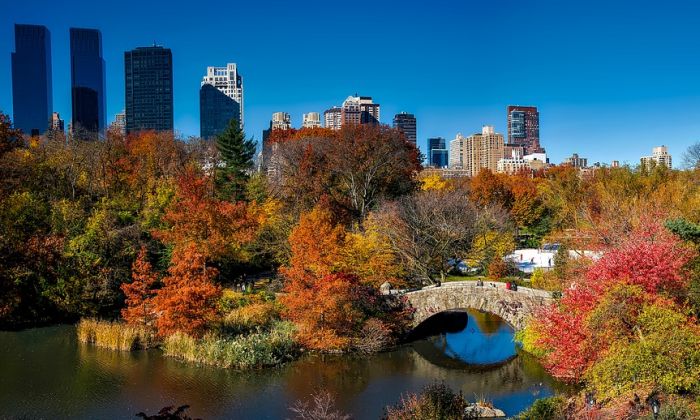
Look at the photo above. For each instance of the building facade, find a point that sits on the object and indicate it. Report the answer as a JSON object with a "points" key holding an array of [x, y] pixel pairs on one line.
{"points": [[659, 156], [216, 110], [148, 73], [359, 110], [438, 155], [522, 164], [119, 123], [476, 152], [524, 128], [576, 161], [87, 70], [406, 123], [333, 118], [32, 91], [311, 120], [57, 124], [229, 81]]}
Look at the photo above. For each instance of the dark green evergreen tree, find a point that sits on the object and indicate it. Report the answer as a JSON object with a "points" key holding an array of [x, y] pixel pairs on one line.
{"points": [[237, 154]]}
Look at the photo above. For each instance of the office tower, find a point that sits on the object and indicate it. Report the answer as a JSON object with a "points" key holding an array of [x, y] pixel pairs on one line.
{"points": [[476, 152], [148, 75], [216, 109], [659, 156], [406, 123], [87, 71], [359, 110], [32, 100], [576, 161], [229, 82], [333, 118], [311, 120], [524, 128], [437, 152], [57, 124]]}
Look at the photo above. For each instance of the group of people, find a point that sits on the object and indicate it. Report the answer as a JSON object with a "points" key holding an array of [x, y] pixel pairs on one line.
{"points": [[511, 285]]}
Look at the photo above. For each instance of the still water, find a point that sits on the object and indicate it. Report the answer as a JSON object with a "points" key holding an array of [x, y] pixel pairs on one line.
{"points": [[46, 373]]}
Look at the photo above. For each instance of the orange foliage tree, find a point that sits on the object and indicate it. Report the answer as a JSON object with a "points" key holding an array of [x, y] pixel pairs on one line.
{"points": [[187, 301], [140, 292]]}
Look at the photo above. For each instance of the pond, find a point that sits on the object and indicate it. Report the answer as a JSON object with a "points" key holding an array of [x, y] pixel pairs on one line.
{"points": [[47, 373]]}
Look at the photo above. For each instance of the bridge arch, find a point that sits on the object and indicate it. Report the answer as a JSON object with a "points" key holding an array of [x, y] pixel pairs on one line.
{"points": [[513, 306]]}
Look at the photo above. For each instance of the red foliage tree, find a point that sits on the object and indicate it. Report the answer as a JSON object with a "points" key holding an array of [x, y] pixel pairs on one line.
{"points": [[140, 292], [187, 301]]}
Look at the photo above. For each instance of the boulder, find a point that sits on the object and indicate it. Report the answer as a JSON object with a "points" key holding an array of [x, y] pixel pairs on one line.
{"points": [[483, 412]]}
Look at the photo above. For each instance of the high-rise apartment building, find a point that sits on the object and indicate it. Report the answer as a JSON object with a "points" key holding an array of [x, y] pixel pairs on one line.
{"points": [[333, 118], [87, 70], [477, 152], [57, 124], [148, 75], [406, 123], [280, 121], [229, 81], [119, 123], [359, 110], [524, 128], [32, 91], [311, 120], [575, 161], [437, 152], [659, 156]]}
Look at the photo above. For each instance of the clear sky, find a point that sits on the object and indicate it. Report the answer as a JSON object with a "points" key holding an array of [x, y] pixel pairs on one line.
{"points": [[611, 78]]}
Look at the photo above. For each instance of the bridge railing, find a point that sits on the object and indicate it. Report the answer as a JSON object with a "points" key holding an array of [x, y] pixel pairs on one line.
{"points": [[474, 284]]}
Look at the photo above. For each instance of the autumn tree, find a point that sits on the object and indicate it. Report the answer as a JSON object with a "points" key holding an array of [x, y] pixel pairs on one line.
{"points": [[140, 292], [236, 154], [9, 137], [487, 188], [187, 301], [429, 228]]}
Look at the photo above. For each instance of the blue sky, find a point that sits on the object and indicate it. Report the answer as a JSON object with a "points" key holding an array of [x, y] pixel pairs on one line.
{"points": [[611, 78]]}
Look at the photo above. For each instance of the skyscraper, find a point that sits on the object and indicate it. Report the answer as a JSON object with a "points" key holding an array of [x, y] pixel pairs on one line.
{"points": [[659, 156], [524, 128], [311, 120], [229, 82], [333, 118], [87, 81], [216, 109], [406, 123], [437, 152], [476, 152], [32, 95], [149, 89]]}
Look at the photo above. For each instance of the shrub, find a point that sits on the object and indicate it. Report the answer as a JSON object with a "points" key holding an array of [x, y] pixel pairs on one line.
{"points": [[321, 407], [551, 408], [253, 316], [374, 336], [545, 280], [115, 335], [436, 401], [254, 350]]}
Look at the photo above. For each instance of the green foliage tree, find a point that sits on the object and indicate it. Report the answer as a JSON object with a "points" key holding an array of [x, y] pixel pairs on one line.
{"points": [[236, 154]]}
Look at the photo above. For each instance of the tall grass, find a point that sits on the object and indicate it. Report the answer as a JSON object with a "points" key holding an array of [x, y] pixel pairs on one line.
{"points": [[254, 350], [115, 335]]}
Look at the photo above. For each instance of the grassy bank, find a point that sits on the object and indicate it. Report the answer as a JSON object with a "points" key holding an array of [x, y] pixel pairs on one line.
{"points": [[254, 350], [115, 335]]}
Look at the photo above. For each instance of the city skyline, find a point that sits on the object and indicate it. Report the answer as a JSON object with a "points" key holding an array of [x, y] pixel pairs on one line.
{"points": [[626, 97]]}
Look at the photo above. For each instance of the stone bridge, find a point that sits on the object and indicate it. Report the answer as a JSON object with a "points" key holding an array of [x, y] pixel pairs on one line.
{"points": [[513, 306]]}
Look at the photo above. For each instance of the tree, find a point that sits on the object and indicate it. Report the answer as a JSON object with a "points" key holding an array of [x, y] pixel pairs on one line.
{"points": [[187, 301], [429, 228], [140, 292], [488, 188], [10, 138], [236, 154], [691, 158], [357, 167]]}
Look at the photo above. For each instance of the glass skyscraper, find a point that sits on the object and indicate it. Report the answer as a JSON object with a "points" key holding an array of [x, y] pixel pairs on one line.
{"points": [[148, 73], [437, 152], [87, 81], [32, 98], [216, 109]]}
